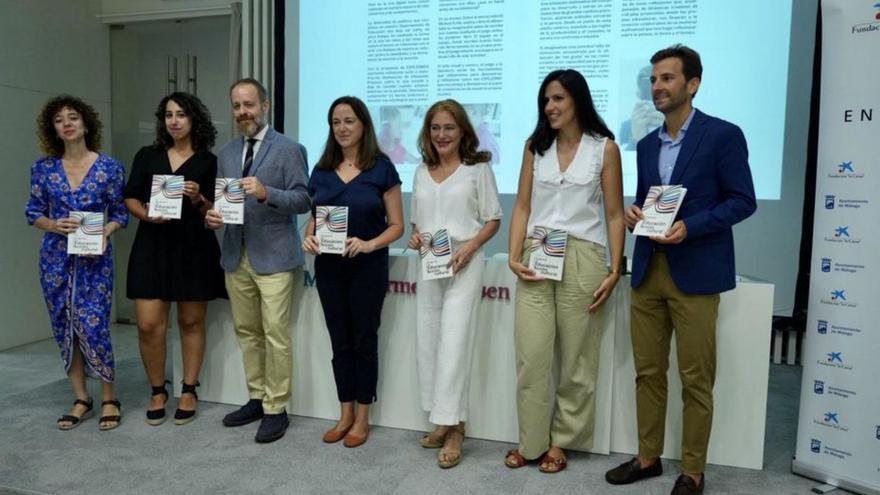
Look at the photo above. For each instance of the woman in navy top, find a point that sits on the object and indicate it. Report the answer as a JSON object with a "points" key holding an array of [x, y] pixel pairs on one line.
{"points": [[353, 172]]}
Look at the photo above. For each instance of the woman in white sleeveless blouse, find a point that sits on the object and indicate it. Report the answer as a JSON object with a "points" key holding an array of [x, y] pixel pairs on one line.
{"points": [[570, 173], [453, 189]]}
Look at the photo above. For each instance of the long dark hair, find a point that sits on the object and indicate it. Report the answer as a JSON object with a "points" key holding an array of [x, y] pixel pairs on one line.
{"points": [[467, 148], [50, 142], [369, 149], [588, 119], [202, 133]]}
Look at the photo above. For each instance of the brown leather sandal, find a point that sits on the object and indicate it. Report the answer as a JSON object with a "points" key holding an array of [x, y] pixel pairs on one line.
{"points": [[514, 460], [552, 465]]}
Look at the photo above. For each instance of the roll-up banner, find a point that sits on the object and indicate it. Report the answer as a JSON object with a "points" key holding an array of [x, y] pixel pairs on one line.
{"points": [[838, 438]]}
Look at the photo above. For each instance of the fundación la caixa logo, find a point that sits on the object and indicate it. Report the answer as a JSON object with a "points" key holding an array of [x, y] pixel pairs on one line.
{"points": [[872, 26], [835, 359], [843, 234], [840, 298], [831, 419], [845, 170]]}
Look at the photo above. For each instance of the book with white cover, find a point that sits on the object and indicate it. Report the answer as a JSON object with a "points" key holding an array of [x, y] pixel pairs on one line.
{"points": [[331, 228], [229, 199], [547, 252], [436, 254], [88, 238], [166, 196], [661, 206]]}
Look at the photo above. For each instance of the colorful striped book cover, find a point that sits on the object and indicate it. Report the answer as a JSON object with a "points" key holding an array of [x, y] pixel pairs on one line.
{"points": [[661, 206]]}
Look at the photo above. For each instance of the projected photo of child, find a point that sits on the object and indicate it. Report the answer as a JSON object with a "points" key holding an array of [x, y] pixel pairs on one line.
{"points": [[397, 135], [486, 119]]}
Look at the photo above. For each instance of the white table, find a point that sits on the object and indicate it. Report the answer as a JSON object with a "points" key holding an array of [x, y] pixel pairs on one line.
{"points": [[740, 390]]}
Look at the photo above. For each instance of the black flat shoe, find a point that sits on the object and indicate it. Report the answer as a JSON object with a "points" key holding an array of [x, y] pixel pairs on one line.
{"points": [[685, 485], [631, 471], [246, 414], [184, 416], [111, 422], [76, 420], [272, 427], [156, 417]]}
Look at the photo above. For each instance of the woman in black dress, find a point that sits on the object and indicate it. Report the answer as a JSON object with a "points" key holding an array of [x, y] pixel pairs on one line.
{"points": [[174, 260]]}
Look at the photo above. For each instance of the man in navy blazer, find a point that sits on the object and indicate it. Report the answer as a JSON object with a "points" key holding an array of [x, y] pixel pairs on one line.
{"points": [[677, 278], [263, 257]]}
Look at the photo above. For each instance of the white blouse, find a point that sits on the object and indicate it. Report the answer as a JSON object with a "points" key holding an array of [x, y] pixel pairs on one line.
{"points": [[462, 203], [570, 200]]}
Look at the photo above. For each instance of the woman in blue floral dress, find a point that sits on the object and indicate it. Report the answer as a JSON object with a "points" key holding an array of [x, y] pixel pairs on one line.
{"points": [[78, 289]]}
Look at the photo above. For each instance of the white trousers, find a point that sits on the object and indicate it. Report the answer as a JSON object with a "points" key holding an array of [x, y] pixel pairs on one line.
{"points": [[444, 340]]}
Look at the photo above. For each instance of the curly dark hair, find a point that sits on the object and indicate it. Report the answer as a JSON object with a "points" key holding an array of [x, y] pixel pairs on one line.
{"points": [[203, 131], [51, 144]]}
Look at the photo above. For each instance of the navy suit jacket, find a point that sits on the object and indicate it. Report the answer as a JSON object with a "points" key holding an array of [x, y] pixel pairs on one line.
{"points": [[713, 165], [269, 231]]}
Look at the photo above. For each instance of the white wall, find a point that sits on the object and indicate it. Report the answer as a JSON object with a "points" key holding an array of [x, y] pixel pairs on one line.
{"points": [[49, 47]]}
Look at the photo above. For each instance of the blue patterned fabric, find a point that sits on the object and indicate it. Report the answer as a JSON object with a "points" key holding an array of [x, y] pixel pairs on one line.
{"points": [[78, 289]]}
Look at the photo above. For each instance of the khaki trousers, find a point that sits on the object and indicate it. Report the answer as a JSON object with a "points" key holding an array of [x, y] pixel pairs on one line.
{"points": [[658, 307], [552, 319], [261, 312]]}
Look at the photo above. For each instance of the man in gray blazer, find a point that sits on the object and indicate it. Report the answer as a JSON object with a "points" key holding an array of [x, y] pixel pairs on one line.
{"points": [[263, 257]]}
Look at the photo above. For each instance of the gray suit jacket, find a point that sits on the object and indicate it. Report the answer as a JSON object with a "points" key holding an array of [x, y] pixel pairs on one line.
{"points": [[269, 231]]}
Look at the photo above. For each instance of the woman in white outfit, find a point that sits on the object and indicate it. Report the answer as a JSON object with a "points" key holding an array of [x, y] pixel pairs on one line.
{"points": [[571, 181], [453, 189]]}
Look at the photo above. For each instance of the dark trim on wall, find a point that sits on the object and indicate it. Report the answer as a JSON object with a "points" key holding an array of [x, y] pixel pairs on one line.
{"points": [[278, 97], [802, 289]]}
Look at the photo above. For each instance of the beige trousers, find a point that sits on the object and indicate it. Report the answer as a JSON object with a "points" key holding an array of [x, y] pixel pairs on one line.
{"points": [[658, 307], [552, 320], [261, 312]]}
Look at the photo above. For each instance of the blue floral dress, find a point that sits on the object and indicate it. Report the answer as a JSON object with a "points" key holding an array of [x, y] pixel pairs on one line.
{"points": [[78, 289]]}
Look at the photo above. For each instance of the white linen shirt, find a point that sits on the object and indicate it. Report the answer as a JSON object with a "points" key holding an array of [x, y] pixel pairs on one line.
{"points": [[570, 200], [462, 203]]}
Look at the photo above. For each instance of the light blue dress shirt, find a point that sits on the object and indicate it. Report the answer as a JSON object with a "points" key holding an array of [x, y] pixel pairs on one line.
{"points": [[669, 149]]}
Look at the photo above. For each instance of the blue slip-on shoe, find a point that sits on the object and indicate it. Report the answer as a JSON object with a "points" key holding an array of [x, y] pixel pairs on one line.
{"points": [[273, 427], [246, 414]]}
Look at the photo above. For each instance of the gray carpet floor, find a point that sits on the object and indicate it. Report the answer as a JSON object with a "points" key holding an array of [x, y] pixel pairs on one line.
{"points": [[204, 457]]}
